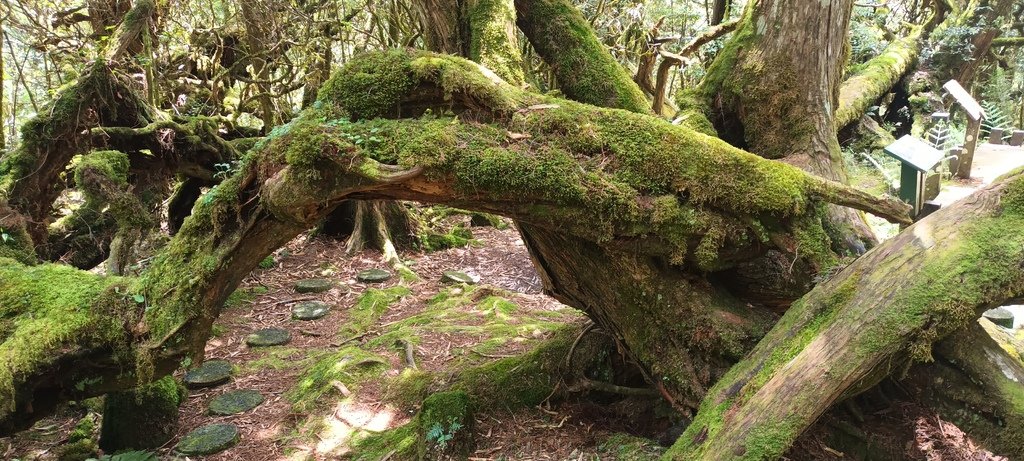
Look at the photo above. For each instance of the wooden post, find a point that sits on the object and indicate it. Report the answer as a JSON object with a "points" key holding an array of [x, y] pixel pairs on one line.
{"points": [[911, 182], [1018, 138], [995, 136], [970, 145], [975, 114]]}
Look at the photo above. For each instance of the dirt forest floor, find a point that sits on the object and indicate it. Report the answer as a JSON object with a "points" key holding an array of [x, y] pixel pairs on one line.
{"points": [[350, 374]]}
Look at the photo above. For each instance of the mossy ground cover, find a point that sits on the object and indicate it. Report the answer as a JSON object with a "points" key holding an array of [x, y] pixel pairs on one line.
{"points": [[477, 339], [464, 337], [343, 387]]}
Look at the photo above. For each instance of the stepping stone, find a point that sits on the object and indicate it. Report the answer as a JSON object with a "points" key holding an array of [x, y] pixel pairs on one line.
{"points": [[458, 277], [268, 337], [373, 276], [234, 402], [209, 439], [313, 285], [1000, 316], [310, 310], [210, 373]]}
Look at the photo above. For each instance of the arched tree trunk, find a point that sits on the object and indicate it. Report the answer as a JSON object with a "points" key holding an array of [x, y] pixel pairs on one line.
{"points": [[639, 222], [672, 219]]}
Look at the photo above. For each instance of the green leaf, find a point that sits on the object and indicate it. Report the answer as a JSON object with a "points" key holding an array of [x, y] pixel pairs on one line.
{"points": [[139, 299]]}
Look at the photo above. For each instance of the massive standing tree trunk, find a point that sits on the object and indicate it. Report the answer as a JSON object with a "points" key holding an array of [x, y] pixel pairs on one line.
{"points": [[774, 91]]}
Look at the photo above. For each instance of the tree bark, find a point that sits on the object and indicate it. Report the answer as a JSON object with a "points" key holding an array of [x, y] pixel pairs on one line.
{"points": [[719, 9], [257, 35], [850, 332], [774, 90]]}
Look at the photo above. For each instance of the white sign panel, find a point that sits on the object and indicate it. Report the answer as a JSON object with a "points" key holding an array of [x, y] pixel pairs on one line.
{"points": [[965, 99]]}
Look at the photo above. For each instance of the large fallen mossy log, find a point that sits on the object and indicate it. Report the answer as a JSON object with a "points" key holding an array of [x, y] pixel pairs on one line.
{"points": [[878, 315], [611, 180]]}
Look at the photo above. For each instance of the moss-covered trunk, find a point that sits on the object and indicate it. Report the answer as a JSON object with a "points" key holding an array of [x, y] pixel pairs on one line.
{"points": [[640, 299], [774, 90], [660, 202], [876, 78], [29, 176], [977, 384], [584, 69], [879, 314]]}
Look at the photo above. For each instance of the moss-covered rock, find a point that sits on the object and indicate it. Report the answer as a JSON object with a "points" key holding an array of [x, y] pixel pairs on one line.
{"points": [[373, 276], [446, 427], [310, 310], [456, 237], [268, 337], [313, 285], [210, 373], [458, 277], [208, 440], [1000, 316], [234, 402]]}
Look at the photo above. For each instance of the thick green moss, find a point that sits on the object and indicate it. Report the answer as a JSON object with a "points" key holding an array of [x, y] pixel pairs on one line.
{"points": [[398, 443], [623, 156], [110, 164], [583, 66], [350, 365], [369, 85], [516, 382], [102, 176], [493, 41], [602, 171], [81, 443], [16, 244], [50, 307], [370, 306]]}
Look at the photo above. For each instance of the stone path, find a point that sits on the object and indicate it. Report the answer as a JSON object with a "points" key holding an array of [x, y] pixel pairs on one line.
{"points": [[990, 162]]}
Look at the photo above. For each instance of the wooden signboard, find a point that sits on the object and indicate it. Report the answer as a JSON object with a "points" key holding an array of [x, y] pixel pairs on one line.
{"points": [[917, 158], [974, 115], [962, 97]]}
